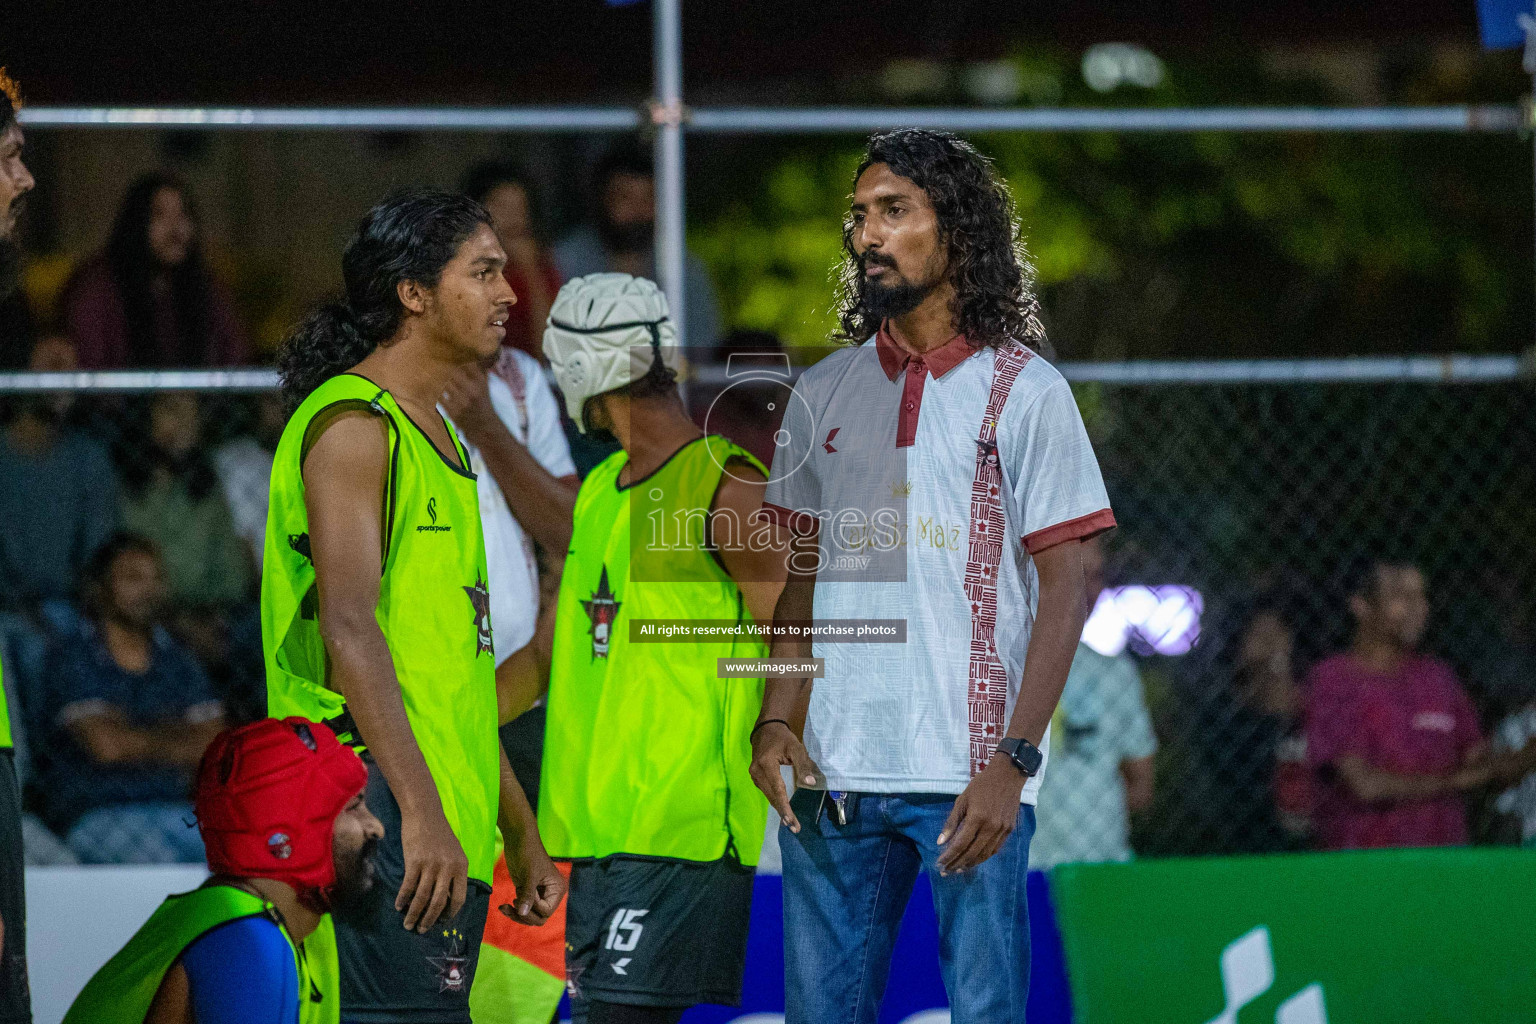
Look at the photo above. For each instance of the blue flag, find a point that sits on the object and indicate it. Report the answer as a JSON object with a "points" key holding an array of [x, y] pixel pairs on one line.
{"points": [[1498, 22]]}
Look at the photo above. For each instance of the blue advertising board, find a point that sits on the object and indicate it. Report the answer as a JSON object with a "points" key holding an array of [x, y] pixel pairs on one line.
{"points": [[1498, 22], [915, 994]]}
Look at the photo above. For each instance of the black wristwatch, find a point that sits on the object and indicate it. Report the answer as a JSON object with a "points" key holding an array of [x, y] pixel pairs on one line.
{"points": [[1026, 757]]}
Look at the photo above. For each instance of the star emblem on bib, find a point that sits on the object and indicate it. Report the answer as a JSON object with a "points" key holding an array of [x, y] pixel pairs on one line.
{"points": [[602, 608], [480, 600]]}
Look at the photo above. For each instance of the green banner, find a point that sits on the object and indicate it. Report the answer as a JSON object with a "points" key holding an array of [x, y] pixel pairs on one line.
{"points": [[1396, 936]]}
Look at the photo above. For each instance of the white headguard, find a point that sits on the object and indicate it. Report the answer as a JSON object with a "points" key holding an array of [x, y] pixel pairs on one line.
{"points": [[605, 331]]}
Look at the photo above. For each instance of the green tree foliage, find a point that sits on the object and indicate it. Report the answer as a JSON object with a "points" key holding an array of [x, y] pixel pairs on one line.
{"points": [[1207, 245]]}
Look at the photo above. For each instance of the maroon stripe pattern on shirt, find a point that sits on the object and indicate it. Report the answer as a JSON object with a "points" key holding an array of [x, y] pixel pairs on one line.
{"points": [[988, 684]]}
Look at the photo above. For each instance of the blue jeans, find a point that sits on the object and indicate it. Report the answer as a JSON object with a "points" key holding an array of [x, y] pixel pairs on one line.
{"points": [[846, 887]]}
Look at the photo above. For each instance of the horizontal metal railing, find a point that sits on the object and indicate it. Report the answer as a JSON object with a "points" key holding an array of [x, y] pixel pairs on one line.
{"points": [[1448, 369], [807, 120]]}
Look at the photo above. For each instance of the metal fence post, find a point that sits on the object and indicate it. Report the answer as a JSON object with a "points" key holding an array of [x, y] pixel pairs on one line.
{"points": [[667, 113]]}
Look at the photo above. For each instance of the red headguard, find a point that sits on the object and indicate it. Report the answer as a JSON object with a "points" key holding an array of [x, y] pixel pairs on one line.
{"points": [[267, 798]]}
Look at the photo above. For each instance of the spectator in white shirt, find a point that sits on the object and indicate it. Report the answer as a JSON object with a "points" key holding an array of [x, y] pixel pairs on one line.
{"points": [[1101, 761], [244, 465], [511, 423]]}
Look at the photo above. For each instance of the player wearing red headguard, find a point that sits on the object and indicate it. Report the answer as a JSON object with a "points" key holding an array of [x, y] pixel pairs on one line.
{"points": [[280, 806]]}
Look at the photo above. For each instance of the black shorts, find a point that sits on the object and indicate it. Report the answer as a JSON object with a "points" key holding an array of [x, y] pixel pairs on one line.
{"points": [[653, 932], [389, 974], [15, 997]]}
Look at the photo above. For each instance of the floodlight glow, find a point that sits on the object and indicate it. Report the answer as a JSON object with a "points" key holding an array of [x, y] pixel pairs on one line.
{"points": [[1107, 66], [1161, 620]]}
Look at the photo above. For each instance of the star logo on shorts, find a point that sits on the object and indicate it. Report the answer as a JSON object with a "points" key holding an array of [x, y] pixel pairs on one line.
{"points": [[453, 966]]}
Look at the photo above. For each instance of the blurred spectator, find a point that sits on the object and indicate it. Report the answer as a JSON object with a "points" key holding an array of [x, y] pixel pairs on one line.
{"points": [[1501, 652], [171, 496], [1504, 664], [1517, 734], [623, 239], [18, 330], [503, 189], [1102, 744], [1266, 678], [1391, 733], [149, 300], [58, 494], [244, 465], [750, 406], [128, 713], [1254, 794]]}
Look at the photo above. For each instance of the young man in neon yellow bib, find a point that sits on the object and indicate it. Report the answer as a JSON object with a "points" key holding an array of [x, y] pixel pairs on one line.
{"points": [[280, 806], [375, 614], [645, 784]]}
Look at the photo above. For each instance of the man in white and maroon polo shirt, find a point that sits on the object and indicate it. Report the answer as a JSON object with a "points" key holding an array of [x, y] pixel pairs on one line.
{"points": [[936, 472]]}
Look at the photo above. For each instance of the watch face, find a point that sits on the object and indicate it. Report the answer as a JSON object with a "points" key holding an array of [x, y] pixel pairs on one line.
{"points": [[1024, 755]]}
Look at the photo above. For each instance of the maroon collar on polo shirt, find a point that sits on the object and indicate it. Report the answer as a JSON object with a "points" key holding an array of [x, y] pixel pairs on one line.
{"points": [[894, 358]]}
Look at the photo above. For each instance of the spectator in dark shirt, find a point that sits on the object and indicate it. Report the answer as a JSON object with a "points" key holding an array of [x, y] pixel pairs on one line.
{"points": [[502, 188], [58, 494], [1253, 789], [749, 406], [172, 496], [1393, 737], [128, 714], [623, 239], [150, 300]]}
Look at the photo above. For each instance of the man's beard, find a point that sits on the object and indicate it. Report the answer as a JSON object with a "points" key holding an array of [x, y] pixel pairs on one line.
{"points": [[883, 301], [635, 236], [356, 879], [10, 266]]}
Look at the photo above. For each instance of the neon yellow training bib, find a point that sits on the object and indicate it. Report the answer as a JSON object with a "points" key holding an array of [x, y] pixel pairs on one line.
{"points": [[646, 750], [434, 609], [123, 990], [5, 715]]}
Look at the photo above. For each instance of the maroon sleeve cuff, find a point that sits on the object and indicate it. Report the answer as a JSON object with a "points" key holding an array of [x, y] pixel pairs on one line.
{"points": [[1080, 528], [801, 523]]}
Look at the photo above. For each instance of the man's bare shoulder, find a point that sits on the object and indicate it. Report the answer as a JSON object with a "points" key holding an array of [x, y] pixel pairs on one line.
{"points": [[350, 440]]}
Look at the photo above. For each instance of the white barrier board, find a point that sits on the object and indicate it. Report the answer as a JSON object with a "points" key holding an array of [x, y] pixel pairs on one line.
{"points": [[77, 917]]}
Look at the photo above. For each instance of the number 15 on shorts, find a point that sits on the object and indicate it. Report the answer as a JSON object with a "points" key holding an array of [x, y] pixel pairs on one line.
{"points": [[624, 930]]}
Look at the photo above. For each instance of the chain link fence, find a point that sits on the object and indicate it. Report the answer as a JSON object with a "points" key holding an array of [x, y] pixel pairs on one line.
{"points": [[1265, 498], [1242, 506]]}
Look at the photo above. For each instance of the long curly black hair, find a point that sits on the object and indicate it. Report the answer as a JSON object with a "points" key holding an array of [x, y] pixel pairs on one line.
{"points": [[135, 269], [994, 279], [409, 236]]}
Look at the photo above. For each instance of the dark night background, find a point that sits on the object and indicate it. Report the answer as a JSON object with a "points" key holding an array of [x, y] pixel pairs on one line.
{"points": [[343, 52], [1147, 245]]}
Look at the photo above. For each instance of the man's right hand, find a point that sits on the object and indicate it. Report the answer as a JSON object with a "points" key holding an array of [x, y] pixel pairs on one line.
{"points": [[436, 871], [774, 745]]}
